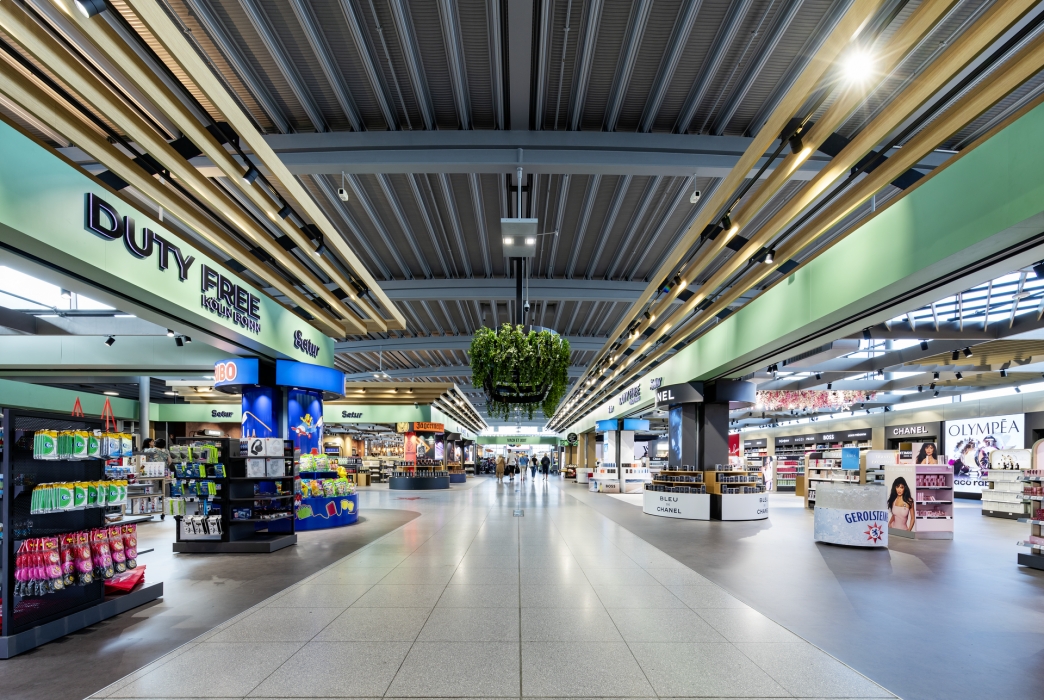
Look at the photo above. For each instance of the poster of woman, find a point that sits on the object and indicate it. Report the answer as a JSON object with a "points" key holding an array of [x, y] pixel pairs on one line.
{"points": [[901, 512], [969, 442], [926, 453]]}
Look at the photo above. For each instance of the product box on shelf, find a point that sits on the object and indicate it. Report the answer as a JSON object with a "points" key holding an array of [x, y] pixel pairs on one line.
{"points": [[256, 466], [262, 447], [275, 467]]}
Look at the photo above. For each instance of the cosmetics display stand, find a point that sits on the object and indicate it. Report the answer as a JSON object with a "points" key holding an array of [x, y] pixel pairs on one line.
{"points": [[933, 502], [1004, 497], [833, 466], [239, 488], [634, 477], [31, 621], [605, 479], [677, 493], [736, 494]]}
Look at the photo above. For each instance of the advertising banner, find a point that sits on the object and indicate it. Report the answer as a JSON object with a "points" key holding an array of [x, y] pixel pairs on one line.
{"points": [[902, 513], [686, 506], [969, 442], [856, 528], [304, 411]]}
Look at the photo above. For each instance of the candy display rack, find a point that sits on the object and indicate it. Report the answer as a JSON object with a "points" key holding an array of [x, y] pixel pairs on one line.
{"points": [[31, 621], [237, 489]]}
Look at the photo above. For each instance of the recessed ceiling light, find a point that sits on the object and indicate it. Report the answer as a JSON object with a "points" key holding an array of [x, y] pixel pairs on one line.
{"points": [[111, 393], [171, 393]]}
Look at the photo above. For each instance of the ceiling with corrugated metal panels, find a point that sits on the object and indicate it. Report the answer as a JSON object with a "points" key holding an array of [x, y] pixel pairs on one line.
{"points": [[695, 72]]}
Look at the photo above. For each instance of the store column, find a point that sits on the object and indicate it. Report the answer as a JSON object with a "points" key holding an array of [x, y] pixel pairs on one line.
{"points": [[735, 493], [144, 393]]}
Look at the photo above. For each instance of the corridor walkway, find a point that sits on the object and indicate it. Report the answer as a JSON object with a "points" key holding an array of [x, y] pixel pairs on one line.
{"points": [[499, 591]]}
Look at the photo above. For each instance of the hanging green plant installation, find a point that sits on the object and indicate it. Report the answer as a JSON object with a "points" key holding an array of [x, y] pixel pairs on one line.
{"points": [[520, 370]]}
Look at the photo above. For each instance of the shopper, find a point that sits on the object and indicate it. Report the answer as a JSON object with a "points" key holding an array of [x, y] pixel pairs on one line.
{"points": [[500, 469], [533, 467], [162, 451], [545, 465], [511, 467], [146, 444]]}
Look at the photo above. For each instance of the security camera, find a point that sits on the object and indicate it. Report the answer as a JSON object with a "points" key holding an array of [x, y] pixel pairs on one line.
{"points": [[695, 197], [342, 194], [415, 404], [525, 307]]}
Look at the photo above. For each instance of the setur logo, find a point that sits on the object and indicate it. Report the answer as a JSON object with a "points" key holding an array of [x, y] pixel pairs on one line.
{"points": [[305, 345]]}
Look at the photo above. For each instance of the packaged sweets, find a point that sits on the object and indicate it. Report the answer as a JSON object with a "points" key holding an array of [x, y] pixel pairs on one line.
{"points": [[45, 444], [130, 544], [80, 444], [82, 558], [101, 555], [126, 445], [94, 445], [116, 548]]}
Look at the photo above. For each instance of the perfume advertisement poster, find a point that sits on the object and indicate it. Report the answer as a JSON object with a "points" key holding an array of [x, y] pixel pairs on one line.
{"points": [[970, 441], [425, 446], [674, 431], [440, 447], [900, 480]]}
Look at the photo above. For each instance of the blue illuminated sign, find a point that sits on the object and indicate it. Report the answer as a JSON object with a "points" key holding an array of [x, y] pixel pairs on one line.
{"points": [[635, 424], [304, 376], [604, 426], [241, 370]]}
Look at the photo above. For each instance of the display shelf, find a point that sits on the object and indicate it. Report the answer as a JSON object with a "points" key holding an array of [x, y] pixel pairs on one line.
{"points": [[239, 535], [29, 621], [830, 466]]}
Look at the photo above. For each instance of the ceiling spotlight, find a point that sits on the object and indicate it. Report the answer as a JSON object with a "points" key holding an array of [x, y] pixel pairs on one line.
{"points": [[187, 339], [66, 294], [320, 248], [110, 340], [726, 223], [250, 176], [1038, 270], [924, 344], [866, 334], [959, 376], [170, 393], [1004, 373], [1018, 390], [830, 387], [170, 333], [955, 355], [89, 8], [868, 411], [880, 373], [935, 375], [694, 197], [920, 388], [530, 240], [858, 65], [770, 257], [284, 212], [818, 375], [795, 143], [179, 342], [967, 352], [932, 385], [508, 240], [936, 393], [111, 393]]}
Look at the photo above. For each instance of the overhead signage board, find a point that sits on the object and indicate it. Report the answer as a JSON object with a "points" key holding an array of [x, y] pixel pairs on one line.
{"points": [[428, 427], [51, 211], [968, 443], [635, 424], [674, 394], [758, 442], [605, 426], [913, 431], [800, 440], [237, 371], [301, 375]]}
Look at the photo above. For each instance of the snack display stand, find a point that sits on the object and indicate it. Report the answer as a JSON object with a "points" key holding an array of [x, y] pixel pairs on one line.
{"points": [[58, 609], [242, 501], [677, 493], [325, 496]]}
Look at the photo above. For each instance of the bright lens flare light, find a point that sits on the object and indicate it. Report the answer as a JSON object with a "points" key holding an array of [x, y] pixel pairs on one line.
{"points": [[858, 66]]}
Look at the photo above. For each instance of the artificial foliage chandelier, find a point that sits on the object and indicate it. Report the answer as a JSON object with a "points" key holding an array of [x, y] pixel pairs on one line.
{"points": [[809, 400], [519, 370]]}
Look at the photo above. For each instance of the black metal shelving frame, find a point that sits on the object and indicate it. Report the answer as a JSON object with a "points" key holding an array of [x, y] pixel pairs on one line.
{"points": [[242, 536], [32, 621]]}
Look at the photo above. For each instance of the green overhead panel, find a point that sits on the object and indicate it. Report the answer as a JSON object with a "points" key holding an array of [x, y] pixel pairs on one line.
{"points": [[196, 412], [58, 224], [46, 398], [334, 413], [518, 440], [979, 216], [140, 354]]}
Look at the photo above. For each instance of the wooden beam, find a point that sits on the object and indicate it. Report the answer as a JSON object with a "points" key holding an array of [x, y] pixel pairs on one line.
{"points": [[38, 43], [31, 98], [152, 14]]}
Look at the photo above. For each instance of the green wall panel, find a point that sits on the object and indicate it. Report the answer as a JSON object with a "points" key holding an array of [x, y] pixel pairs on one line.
{"points": [[46, 398], [984, 202]]}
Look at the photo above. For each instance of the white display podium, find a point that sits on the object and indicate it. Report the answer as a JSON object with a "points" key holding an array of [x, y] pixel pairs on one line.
{"points": [[686, 506], [739, 506]]}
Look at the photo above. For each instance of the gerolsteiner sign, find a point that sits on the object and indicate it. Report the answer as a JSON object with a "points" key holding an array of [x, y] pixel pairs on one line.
{"points": [[59, 224]]}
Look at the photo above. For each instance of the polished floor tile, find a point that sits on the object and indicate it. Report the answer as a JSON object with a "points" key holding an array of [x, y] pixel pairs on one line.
{"points": [[468, 601]]}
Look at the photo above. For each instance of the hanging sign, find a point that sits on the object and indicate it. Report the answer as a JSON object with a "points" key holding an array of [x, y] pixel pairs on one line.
{"points": [[689, 392]]}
